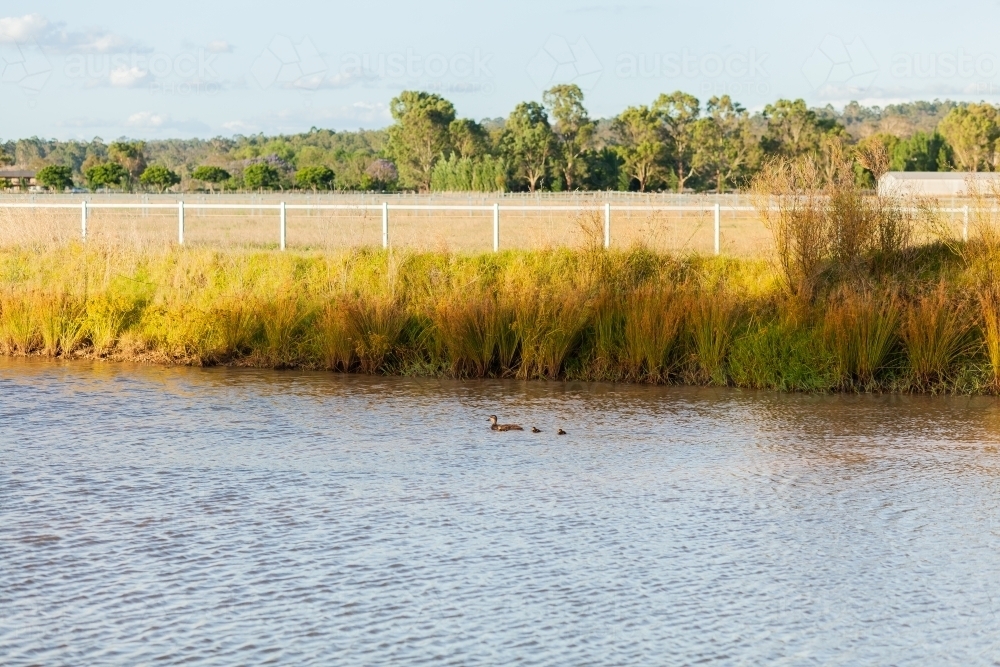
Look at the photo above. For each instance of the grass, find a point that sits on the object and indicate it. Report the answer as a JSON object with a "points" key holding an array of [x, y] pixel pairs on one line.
{"points": [[585, 314]]}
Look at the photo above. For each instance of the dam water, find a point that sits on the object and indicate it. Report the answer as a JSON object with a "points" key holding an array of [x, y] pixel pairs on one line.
{"points": [[226, 516]]}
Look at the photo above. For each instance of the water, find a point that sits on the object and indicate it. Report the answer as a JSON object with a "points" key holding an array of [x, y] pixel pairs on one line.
{"points": [[220, 516]]}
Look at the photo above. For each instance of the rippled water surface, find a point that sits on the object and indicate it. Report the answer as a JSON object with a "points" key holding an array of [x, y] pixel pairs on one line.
{"points": [[220, 516]]}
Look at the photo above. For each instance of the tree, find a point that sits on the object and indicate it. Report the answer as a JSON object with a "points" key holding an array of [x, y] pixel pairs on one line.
{"points": [[468, 138], [55, 177], [725, 146], [573, 130], [679, 112], [106, 175], [261, 176], [159, 177], [642, 145], [793, 129], [972, 132], [420, 135], [920, 152], [528, 142], [211, 175], [316, 178], [129, 154], [380, 175]]}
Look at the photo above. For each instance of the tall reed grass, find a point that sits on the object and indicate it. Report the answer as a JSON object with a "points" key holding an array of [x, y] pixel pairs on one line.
{"points": [[588, 314]]}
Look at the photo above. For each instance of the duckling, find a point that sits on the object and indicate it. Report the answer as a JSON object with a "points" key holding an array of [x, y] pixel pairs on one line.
{"points": [[560, 432], [535, 429], [494, 426]]}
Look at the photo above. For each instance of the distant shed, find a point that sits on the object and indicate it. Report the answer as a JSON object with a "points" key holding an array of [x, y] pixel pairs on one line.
{"points": [[18, 177], [935, 183]]}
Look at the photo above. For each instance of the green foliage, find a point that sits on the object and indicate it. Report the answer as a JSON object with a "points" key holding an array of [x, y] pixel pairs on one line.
{"points": [[106, 175], [464, 174], [211, 175], [972, 132], [783, 357], [573, 132], [261, 176], [131, 155], [921, 152], [793, 129], [642, 146], [528, 144], [55, 177], [159, 177], [316, 178], [419, 136]]}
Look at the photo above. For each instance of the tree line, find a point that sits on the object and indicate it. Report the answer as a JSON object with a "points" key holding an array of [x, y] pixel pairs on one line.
{"points": [[674, 143]]}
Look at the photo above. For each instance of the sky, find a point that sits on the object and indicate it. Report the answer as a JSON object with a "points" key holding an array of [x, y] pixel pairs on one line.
{"points": [[185, 69]]}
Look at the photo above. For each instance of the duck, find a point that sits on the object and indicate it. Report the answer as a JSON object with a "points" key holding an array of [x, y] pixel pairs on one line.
{"points": [[560, 432], [535, 429], [494, 426]]}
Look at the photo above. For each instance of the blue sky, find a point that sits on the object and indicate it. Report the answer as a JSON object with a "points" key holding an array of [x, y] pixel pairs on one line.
{"points": [[199, 69]]}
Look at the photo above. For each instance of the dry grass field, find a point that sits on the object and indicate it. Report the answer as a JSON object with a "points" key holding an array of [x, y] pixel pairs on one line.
{"points": [[742, 233]]}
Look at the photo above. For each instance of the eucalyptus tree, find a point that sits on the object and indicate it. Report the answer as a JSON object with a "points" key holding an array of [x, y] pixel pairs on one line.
{"points": [[679, 113], [973, 132], [529, 144], [642, 145], [573, 131], [725, 145], [420, 136]]}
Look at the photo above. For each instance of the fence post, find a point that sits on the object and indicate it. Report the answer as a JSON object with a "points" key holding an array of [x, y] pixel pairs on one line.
{"points": [[385, 224], [607, 225], [965, 223], [180, 222], [718, 221], [281, 209], [496, 227], [83, 220]]}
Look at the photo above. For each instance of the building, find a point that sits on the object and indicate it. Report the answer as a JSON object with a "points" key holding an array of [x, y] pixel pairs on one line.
{"points": [[936, 183], [17, 177]]}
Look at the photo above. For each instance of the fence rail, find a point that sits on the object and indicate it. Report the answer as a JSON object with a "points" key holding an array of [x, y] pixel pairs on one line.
{"points": [[386, 208]]}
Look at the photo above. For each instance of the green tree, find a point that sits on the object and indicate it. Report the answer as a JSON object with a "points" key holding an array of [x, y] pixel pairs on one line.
{"points": [[317, 178], [468, 138], [793, 129], [159, 177], [973, 131], [129, 154], [106, 175], [726, 149], [261, 176], [211, 175], [55, 177], [528, 143], [573, 131], [420, 136], [680, 112], [920, 152], [642, 145]]}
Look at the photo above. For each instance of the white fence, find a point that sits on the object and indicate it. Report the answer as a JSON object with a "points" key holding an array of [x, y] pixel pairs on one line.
{"points": [[281, 208]]}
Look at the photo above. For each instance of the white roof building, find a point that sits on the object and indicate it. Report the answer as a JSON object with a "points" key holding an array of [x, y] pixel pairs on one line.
{"points": [[936, 183]]}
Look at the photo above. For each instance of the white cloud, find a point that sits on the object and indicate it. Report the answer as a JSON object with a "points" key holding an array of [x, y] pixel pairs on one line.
{"points": [[127, 77], [153, 122], [17, 29], [219, 46], [146, 120], [55, 36], [240, 127]]}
